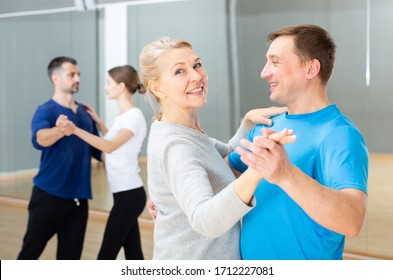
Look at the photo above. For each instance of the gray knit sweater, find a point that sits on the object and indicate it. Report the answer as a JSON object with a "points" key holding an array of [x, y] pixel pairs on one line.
{"points": [[192, 187]]}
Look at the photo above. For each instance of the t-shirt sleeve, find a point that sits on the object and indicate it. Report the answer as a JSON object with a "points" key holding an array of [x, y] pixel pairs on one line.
{"points": [[132, 122], [234, 158], [344, 160]]}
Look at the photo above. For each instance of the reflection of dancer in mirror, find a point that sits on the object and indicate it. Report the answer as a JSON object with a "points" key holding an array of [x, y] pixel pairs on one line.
{"points": [[62, 187], [199, 201], [121, 145]]}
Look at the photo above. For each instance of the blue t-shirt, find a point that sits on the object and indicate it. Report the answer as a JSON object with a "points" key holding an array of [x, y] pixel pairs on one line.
{"points": [[328, 148], [65, 168]]}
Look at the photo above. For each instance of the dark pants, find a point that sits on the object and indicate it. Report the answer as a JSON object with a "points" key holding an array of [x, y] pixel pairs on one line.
{"points": [[50, 215], [122, 228]]}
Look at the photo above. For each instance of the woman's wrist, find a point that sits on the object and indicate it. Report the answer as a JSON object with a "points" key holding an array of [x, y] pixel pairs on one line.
{"points": [[247, 123]]}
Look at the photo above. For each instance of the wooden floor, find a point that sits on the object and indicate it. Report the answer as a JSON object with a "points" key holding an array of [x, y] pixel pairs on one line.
{"points": [[374, 242], [15, 192], [13, 219]]}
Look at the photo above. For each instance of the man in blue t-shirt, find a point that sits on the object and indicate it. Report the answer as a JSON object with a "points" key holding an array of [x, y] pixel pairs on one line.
{"points": [[315, 190], [62, 187]]}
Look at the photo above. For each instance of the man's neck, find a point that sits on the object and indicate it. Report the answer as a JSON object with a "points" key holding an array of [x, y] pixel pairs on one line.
{"points": [[307, 108], [64, 99], [309, 102]]}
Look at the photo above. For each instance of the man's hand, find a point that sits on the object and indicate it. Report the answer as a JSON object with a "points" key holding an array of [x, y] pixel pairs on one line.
{"points": [[65, 126], [267, 155]]}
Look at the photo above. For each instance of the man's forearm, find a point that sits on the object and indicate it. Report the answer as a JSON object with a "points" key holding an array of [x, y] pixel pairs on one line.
{"points": [[48, 136]]}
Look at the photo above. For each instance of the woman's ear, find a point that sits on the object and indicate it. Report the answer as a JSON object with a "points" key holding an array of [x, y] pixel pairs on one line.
{"points": [[122, 86], [314, 66], [156, 89]]}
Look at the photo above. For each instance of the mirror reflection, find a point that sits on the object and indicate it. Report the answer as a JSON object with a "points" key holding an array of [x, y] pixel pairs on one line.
{"points": [[230, 37]]}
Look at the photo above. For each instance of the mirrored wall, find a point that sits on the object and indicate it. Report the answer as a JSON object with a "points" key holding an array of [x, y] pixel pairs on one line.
{"points": [[230, 37]]}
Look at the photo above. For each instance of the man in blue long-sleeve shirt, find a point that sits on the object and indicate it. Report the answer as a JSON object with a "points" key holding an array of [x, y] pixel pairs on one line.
{"points": [[62, 187]]}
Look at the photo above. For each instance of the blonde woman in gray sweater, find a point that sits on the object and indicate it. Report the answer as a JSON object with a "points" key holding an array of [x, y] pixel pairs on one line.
{"points": [[199, 200]]}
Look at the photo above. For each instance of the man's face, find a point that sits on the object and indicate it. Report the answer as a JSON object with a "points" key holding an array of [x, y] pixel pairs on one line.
{"points": [[67, 79], [284, 71]]}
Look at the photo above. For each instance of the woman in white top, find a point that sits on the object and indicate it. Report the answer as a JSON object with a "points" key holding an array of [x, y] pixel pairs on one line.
{"points": [[121, 145]]}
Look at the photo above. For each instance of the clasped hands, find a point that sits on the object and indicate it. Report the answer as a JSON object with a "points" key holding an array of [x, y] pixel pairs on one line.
{"points": [[266, 155], [261, 156], [65, 126]]}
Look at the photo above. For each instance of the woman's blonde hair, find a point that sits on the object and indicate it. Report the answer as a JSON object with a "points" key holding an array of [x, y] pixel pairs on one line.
{"points": [[151, 64]]}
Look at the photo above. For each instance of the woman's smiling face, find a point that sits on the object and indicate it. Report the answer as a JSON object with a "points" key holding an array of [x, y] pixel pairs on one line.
{"points": [[183, 80]]}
